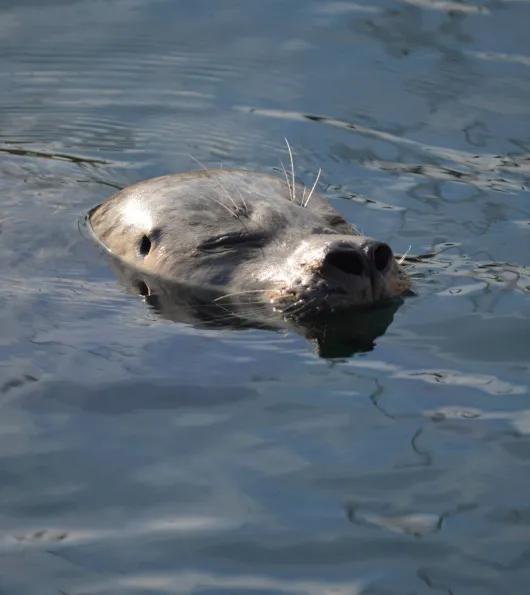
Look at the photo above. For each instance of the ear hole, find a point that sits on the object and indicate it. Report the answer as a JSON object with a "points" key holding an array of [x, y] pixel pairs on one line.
{"points": [[144, 247], [143, 289]]}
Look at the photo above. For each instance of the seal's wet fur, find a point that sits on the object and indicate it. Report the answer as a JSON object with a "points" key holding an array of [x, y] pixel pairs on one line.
{"points": [[241, 232]]}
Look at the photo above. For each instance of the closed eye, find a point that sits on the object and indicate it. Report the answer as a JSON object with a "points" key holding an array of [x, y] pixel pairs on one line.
{"points": [[324, 231], [337, 220], [234, 241]]}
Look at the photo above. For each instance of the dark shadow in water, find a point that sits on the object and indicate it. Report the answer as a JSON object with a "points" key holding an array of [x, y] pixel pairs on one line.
{"points": [[335, 335], [53, 156]]}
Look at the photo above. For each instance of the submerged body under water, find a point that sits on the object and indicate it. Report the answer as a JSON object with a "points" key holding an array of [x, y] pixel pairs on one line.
{"points": [[145, 451]]}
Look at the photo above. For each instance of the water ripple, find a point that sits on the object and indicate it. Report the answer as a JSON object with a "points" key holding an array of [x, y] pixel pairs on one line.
{"points": [[480, 163]]}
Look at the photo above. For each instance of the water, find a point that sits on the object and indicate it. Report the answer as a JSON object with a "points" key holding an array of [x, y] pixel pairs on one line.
{"points": [[142, 456]]}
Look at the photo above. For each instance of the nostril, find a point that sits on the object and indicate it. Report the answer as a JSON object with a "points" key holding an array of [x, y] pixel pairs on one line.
{"points": [[346, 261], [382, 256]]}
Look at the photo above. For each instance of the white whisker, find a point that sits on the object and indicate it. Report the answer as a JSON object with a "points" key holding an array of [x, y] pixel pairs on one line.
{"points": [[400, 261], [243, 201], [294, 312], [312, 189], [292, 169], [287, 180], [239, 293], [221, 186], [233, 213]]}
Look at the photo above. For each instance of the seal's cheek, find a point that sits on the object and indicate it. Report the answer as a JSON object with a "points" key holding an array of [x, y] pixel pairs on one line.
{"points": [[396, 282]]}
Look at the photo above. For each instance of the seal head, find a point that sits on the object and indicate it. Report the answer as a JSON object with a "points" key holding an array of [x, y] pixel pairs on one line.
{"points": [[240, 232]]}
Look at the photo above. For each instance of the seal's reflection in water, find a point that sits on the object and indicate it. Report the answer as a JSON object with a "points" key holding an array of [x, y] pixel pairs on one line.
{"points": [[334, 335]]}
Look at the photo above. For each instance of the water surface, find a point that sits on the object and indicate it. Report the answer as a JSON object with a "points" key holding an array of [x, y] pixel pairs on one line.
{"points": [[142, 456]]}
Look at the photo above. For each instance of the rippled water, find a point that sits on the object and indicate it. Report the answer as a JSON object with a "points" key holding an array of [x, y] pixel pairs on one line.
{"points": [[138, 455]]}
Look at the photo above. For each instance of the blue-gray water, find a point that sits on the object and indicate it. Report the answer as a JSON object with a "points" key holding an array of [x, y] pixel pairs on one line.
{"points": [[142, 456]]}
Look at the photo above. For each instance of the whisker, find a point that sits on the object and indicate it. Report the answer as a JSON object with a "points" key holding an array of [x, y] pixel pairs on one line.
{"points": [[243, 201], [225, 207], [287, 180], [400, 261], [228, 312], [247, 309], [239, 293], [292, 169], [251, 309], [292, 311], [221, 186], [313, 188]]}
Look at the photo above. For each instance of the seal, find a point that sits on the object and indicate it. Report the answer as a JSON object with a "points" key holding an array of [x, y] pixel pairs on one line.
{"points": [[332, 335], [244, 233]]}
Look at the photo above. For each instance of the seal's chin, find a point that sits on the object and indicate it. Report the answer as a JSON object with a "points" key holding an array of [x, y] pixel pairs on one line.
{"points": [[318, 295], [320, 299], [321, 304]]}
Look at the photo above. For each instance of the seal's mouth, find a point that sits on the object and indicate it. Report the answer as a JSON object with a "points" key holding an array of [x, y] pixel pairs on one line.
{"points": [[320, 294], [324, 297]]}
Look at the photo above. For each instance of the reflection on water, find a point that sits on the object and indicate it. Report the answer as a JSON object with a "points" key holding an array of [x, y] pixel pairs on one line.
{"points": [[337, 334], [151, 445]]}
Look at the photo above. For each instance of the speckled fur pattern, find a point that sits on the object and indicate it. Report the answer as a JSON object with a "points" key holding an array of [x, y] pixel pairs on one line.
{"points": [[244, 232]]}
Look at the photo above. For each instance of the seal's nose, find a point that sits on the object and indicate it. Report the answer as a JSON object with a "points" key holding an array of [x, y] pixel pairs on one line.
{"points": [[346, 260], [358, 260]]}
